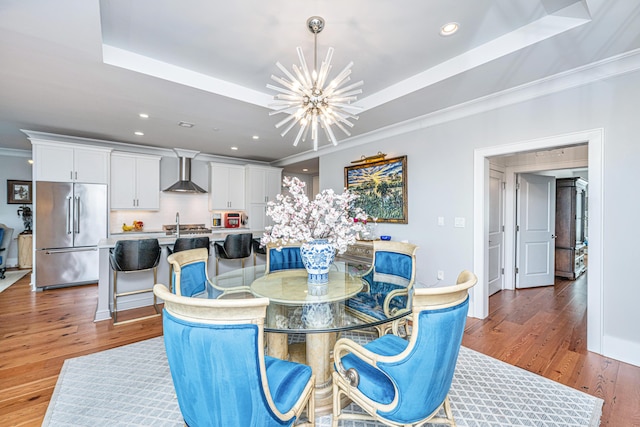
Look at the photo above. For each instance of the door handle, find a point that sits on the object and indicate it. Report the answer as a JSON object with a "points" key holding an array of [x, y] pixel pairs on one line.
{"points": [[69, 213], [553, 236], [76, 216]]}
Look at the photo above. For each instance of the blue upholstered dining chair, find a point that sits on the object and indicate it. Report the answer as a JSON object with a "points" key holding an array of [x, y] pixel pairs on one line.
{"points": [[400, 382], [216, 357], [286, 257], [390, 280], [6, 234], [191, 277]]}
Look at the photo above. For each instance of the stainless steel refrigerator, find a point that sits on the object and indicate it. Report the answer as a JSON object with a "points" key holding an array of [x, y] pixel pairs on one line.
{"points": [[70, 220]]}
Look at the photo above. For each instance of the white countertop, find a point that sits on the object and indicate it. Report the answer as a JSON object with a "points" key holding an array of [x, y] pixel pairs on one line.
{"points": [[163, 239]]}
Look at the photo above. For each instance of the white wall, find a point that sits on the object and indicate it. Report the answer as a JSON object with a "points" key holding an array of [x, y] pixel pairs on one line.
{"points": [[440, 183], [13, 165]]}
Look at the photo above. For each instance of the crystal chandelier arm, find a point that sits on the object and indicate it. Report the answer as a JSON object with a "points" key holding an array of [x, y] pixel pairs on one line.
{"points": [[288, 128], [284, 83], [305, 70], [328, 131], [300, 132], [281, 89], [285, 71], [338, 81], [343, 129], [348, 88], [284, 97], [344, 101], [325, 67], [285, 109], [284, 121], [303, 85]]}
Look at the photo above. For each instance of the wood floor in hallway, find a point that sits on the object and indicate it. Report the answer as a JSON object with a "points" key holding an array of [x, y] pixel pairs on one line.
{"points": [[542, 330]]}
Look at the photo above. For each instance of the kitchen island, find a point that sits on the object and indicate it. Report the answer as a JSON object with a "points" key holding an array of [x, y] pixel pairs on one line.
{"points": [[142, 280]]}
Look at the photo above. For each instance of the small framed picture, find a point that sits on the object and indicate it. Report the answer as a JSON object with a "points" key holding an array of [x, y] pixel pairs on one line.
{"points": [[19, 192]]}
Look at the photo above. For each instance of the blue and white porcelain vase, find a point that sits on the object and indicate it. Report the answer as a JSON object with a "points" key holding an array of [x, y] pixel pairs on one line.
{"points": [[317, 257]]}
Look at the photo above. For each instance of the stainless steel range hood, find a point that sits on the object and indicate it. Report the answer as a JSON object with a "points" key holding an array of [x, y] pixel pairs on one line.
{"points": [[185, 185]]}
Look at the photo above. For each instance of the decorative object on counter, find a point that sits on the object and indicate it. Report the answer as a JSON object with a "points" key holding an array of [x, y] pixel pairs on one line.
{"points": [[19, 192], [370, 231], [135, 226], [27, 218], [385, 237], [216, 220], [306, 100], [382, 187], [330, 217]]}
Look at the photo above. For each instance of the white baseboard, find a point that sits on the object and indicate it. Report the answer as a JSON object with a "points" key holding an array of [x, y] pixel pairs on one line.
{"points": [[623, 350]]}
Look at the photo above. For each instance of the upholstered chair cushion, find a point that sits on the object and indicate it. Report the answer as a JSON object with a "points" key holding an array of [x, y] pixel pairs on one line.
{"points": [[193, 279], [133, 255], [286, 258], [234, 246], [186, 243]]}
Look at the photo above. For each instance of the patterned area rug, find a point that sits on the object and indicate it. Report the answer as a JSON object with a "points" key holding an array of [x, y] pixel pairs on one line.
{"points": [[131, 386]]}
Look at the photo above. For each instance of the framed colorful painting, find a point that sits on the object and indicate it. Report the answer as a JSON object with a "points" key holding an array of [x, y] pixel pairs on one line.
{"points": [[382, 187]]}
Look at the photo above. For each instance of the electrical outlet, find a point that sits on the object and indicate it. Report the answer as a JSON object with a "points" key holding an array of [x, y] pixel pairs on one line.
{"points": [[440, 275]]}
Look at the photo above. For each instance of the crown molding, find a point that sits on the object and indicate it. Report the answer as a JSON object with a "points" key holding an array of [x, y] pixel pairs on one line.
{"points": [[12, 152]]}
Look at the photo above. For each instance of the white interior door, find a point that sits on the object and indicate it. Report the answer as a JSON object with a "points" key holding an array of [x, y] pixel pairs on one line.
{"points": [[495, 249], [536, 224]]}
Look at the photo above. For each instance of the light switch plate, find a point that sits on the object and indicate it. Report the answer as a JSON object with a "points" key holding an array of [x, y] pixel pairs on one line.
{"points": [[459, 222], [441, 221]]}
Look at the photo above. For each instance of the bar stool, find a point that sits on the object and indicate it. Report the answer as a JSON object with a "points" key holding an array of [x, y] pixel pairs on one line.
{"points": [[185, 244], [257, 249], [130, 256], [234, 246]]}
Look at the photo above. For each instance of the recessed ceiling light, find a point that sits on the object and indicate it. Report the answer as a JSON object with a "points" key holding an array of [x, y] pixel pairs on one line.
{"points": [[216, 129], [450, 28], [234, 148], [143, 115], [305, 170], [255, 137], [30, 161], [139, 133], [186, 124]]}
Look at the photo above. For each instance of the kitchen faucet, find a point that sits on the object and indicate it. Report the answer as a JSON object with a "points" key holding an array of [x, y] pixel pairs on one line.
{"points": [[178, 224]]}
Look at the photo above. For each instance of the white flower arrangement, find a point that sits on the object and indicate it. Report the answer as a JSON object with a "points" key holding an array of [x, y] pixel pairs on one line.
{"points": [[329, 216]]}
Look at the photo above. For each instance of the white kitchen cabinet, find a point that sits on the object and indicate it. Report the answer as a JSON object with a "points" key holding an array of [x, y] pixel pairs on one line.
{"points": [[71, 163], [227, 190], [263, 185], [135, 181]]}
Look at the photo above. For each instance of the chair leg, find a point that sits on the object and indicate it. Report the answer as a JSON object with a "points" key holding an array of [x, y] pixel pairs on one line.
{"points": [[217, 266], [336, 404], [155, 299], [115, 297]]}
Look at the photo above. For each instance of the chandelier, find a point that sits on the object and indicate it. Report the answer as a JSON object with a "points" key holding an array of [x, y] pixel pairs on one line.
{"points": [[308, 102]]}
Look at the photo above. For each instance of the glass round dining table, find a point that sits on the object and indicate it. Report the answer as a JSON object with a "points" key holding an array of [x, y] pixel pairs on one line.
{"points": [[296, 307]]}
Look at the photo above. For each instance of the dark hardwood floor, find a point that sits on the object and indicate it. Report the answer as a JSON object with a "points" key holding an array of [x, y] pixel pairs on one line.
{"points": [[542, 330]]}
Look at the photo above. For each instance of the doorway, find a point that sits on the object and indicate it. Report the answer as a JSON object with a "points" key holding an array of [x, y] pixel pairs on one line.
{"points": [[595, 140]]}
